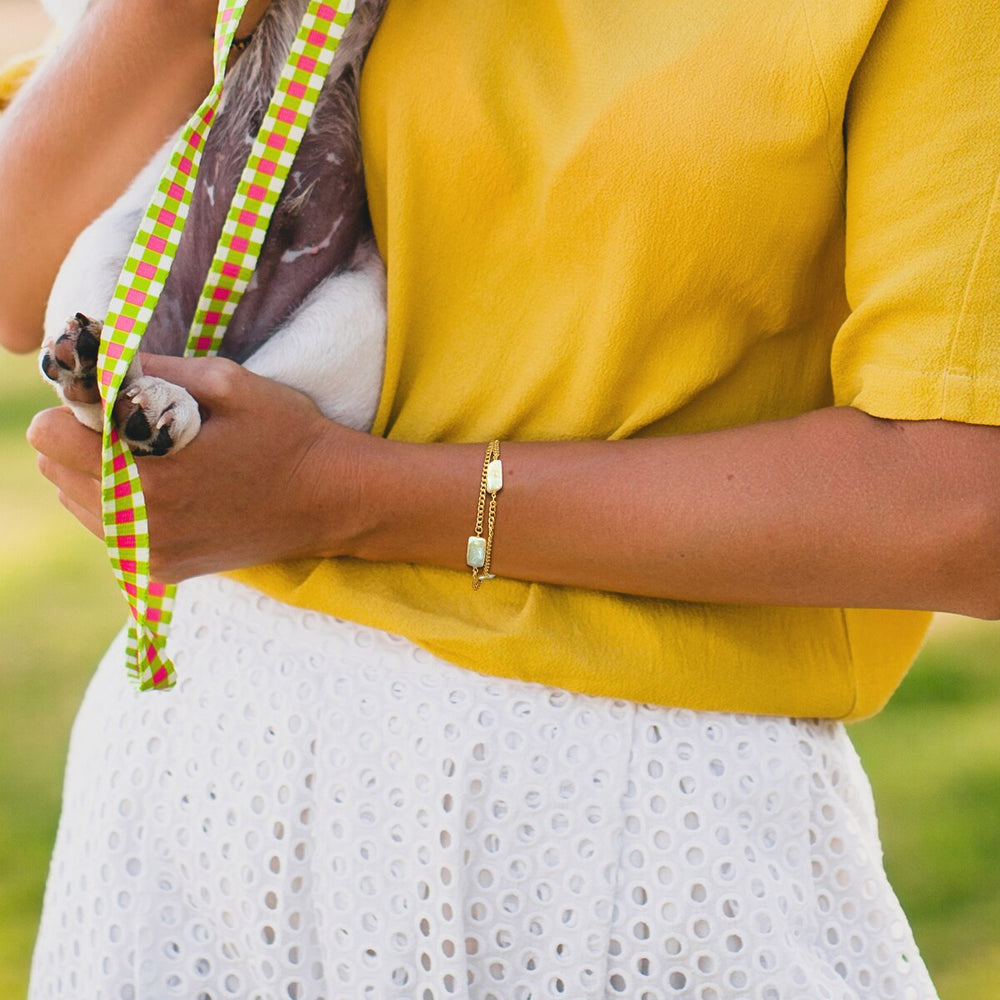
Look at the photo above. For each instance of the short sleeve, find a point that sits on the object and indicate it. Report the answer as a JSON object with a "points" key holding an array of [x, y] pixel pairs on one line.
{"points": [[922, 136]]}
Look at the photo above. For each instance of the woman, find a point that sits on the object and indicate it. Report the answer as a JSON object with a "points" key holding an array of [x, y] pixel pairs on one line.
{"points": [[722, 280]]}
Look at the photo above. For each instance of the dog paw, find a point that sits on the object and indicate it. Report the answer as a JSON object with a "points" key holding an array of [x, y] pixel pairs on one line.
{"points": [[155, 417], [71, 360]]}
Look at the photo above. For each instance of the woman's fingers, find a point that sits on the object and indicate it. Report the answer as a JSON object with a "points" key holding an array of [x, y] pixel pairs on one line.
{"points": [[217, 383], [78, 487], [58, 436], [84, 513], [69, 456]]}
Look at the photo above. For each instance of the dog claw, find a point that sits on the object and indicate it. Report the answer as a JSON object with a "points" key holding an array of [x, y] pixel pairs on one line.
{"points": [[156, 417], [70, 360]]}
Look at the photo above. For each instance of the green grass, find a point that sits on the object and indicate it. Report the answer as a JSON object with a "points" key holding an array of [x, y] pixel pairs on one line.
{"points": [[933, 754], [934, 761], [58, 607]]}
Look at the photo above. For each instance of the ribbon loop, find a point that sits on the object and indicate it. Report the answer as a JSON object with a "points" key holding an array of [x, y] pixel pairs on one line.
{"points": [[145, 271]]}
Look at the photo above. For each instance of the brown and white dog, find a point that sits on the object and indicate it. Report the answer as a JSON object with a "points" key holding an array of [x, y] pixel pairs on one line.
{"points": [[314, 315]]}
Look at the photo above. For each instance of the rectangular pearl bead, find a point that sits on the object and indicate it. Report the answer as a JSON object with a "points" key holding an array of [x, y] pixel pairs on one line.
{"points": [[494, 476], [475, 553]]}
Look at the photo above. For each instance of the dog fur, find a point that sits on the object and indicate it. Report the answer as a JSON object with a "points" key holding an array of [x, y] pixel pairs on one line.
{"points": [[314, 315]]}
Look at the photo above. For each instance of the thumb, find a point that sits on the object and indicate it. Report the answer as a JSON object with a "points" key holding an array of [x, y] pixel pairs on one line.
{"points": [[212, 381]]}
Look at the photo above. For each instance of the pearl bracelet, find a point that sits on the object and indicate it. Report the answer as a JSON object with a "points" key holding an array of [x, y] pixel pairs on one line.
{"points": [[480, 550]]}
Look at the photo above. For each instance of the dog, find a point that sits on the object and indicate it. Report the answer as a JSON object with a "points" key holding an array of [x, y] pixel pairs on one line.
{"points": [[314, 315]]}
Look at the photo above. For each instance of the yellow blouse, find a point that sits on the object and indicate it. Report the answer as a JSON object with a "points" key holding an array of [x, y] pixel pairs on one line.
{"points": [[650, 218]]}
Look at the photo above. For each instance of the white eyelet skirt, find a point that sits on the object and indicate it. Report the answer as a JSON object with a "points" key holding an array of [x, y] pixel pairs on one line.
{"points": [[321, 810]]}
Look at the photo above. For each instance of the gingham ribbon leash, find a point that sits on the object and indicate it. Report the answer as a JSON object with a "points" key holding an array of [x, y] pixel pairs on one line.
{"points": [[145, 271]]}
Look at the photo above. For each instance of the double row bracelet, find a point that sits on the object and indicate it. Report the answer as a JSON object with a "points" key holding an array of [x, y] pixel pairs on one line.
{"points": [[479, 551]]}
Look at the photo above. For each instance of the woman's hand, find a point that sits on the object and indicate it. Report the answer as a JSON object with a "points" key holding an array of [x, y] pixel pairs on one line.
{"points": [[254, 486]]}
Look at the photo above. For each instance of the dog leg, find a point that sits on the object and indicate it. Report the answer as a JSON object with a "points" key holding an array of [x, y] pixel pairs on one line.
{"points": [[153, 417], [332, 347], [70, 361]]}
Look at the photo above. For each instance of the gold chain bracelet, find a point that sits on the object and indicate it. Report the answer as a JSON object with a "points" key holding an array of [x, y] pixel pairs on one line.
{"points": [[479, 551]]}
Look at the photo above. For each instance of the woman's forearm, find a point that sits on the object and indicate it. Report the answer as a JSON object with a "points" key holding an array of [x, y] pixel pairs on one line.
{"points": [[92, 116], [833, 508]]}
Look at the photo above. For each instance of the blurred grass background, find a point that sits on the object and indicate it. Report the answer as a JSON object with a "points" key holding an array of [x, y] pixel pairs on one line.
{"points": [[933, 755]]}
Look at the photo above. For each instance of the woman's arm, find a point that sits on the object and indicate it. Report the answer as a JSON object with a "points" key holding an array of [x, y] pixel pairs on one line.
{"points": [[130, 75], [833, 508]]}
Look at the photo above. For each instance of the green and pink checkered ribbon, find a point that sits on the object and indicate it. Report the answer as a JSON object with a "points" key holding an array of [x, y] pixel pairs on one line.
{"points": [[126, 525]]}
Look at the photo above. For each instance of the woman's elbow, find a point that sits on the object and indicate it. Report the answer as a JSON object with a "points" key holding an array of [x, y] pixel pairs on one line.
{"points": [[968, 560], [952, 530]]}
